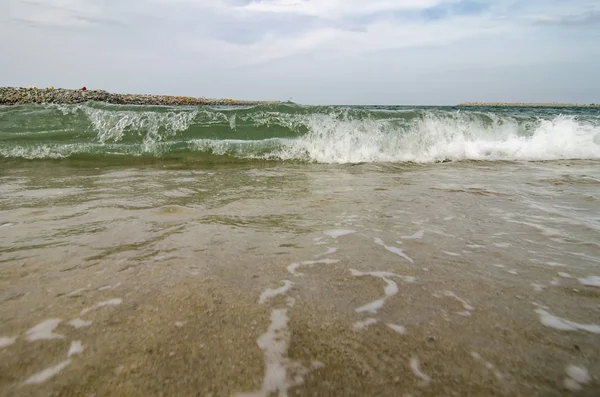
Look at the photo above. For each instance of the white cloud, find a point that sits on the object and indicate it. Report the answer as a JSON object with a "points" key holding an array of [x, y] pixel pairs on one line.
{"points": [[378, 36], [56, 13], [340, 8], [242, 48]]}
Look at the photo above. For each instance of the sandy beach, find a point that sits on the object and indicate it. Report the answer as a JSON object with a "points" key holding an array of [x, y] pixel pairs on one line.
{"points": [[239, 281]]}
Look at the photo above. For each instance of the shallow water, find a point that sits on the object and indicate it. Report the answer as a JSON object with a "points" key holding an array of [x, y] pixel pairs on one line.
{"points": [[465, 278]]}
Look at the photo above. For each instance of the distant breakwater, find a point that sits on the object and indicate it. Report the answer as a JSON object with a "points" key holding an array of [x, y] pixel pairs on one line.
{"points": [[23, 96], [527, 105]]}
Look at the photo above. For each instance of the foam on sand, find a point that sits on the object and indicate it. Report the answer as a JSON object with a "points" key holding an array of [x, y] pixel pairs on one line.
{"points": [[75, 348], [292, 268], [397, 328], [281, 373], [473, 246], [79, 323], [593, 281], [552, 321], [270, 293], [392, 249], [576, 376], [7, 340], [111, 302], [417, 236], [488, 365], [466, 305], [537, 287], [371, 307], [364, 324], [46, 374], [390, 289], [339, 232], [330, 250], [415, 368], [44, 330]]}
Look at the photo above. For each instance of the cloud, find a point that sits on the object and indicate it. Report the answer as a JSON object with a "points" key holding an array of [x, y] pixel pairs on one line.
{"points": [[335, 9], [59, 13], [573, 20], [251, 48]]}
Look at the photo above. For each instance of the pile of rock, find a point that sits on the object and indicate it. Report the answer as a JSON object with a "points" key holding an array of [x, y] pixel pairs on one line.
{"points": [[22, 96], [526, 105]]}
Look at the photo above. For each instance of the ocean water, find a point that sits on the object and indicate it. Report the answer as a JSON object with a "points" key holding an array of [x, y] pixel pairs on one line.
{"points": [[299, 251]]}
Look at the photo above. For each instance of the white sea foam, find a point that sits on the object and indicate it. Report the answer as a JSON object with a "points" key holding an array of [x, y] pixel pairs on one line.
{"points": [[593, 281], [466, 305], [79, 323], [46, 374], [436, 136], [75, 348], [44, 330], [576, 376], [294, 266], [281, 373], [371, 307], [113, 125], [415, 368], [364, 324], [537, 287], [339, 232], [417, 236], [552, 321], [502, 245], [77, 292], [110, 302], [104, 288], [317, 365], [473, 246], [392, 249], [488, 365], [270, 293], [397, 328], [330, 250], [7, 341], [390, 289]]}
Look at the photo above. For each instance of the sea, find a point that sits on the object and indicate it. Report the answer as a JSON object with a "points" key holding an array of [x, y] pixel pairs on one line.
{"points": [[291, 250]]}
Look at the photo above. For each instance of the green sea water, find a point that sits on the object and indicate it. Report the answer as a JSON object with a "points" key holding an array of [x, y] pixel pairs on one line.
{"points": [[299, 251], [323, 134]]}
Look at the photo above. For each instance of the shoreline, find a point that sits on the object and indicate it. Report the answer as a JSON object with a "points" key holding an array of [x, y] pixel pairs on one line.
{"points": [[62, 96], [528, 105]]}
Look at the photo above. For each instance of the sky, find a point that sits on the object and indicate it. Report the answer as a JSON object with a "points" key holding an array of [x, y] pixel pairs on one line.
{"points": [[429, 52]]}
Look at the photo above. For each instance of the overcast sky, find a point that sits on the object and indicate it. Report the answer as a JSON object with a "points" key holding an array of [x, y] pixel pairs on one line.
{"points": [[312, 51]]}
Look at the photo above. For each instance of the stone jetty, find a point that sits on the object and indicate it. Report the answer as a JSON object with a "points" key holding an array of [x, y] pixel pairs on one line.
{"points": [[22, 96], [528, 105]]}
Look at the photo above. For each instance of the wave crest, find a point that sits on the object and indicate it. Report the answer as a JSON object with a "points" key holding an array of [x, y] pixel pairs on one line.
{"points": [[301, 133]]}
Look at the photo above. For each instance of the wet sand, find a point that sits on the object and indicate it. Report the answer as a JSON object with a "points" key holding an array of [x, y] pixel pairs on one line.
{"points": [[448, 279]]}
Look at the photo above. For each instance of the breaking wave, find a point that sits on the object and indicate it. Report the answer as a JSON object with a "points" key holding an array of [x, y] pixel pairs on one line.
{"points": [[298, 133]]}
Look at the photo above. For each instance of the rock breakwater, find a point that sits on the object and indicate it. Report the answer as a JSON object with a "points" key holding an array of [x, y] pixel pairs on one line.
{"points": [[528, 105], [22, 96]]}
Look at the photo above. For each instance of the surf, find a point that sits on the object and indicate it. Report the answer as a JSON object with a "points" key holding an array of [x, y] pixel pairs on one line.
{"points": [[291, 132]]}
